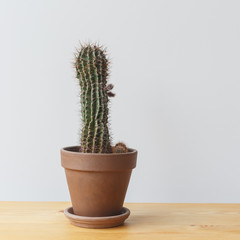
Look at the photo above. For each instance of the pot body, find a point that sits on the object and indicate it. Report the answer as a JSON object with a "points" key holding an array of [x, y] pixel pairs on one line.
{"points": [[97, 182]]}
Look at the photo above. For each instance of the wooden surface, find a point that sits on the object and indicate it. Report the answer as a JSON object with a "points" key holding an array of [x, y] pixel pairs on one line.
{"points": [[45, 220]]}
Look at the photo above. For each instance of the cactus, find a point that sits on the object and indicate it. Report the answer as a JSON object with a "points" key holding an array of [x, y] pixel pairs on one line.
{"points": [[92, 72], [120, 148]]}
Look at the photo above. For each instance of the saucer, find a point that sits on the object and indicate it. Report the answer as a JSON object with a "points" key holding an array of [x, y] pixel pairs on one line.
{"points": [[97, 222]]}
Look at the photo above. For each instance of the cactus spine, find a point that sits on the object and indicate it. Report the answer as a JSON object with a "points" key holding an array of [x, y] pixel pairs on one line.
{"points": [[92, 72]]}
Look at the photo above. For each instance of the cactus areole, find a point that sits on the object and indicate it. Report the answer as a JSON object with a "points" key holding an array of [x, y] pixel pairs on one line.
{"points": [[92, 68]]}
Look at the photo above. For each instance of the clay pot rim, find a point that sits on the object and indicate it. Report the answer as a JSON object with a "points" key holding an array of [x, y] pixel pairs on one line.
{"points": [[97, 162], [69, 151]]}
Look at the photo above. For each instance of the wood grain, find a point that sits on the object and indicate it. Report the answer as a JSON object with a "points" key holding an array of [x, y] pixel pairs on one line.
{"points": [[45, 221]]}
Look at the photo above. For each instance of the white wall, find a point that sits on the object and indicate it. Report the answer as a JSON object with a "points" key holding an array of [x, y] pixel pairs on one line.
{"points": [[175, 67]]}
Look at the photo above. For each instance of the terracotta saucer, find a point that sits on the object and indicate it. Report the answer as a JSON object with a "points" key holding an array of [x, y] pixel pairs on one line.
{"points": [[97, 222]]}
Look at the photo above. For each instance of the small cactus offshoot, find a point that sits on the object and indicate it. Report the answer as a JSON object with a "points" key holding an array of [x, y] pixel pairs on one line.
{"points": [[120, 148]]}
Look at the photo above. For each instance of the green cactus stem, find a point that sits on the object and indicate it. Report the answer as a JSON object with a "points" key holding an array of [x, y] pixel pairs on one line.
{"points": [[92, 72]]}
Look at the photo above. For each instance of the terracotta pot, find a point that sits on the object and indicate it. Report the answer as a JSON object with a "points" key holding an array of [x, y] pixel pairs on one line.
{"points": [[97, 182]]}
